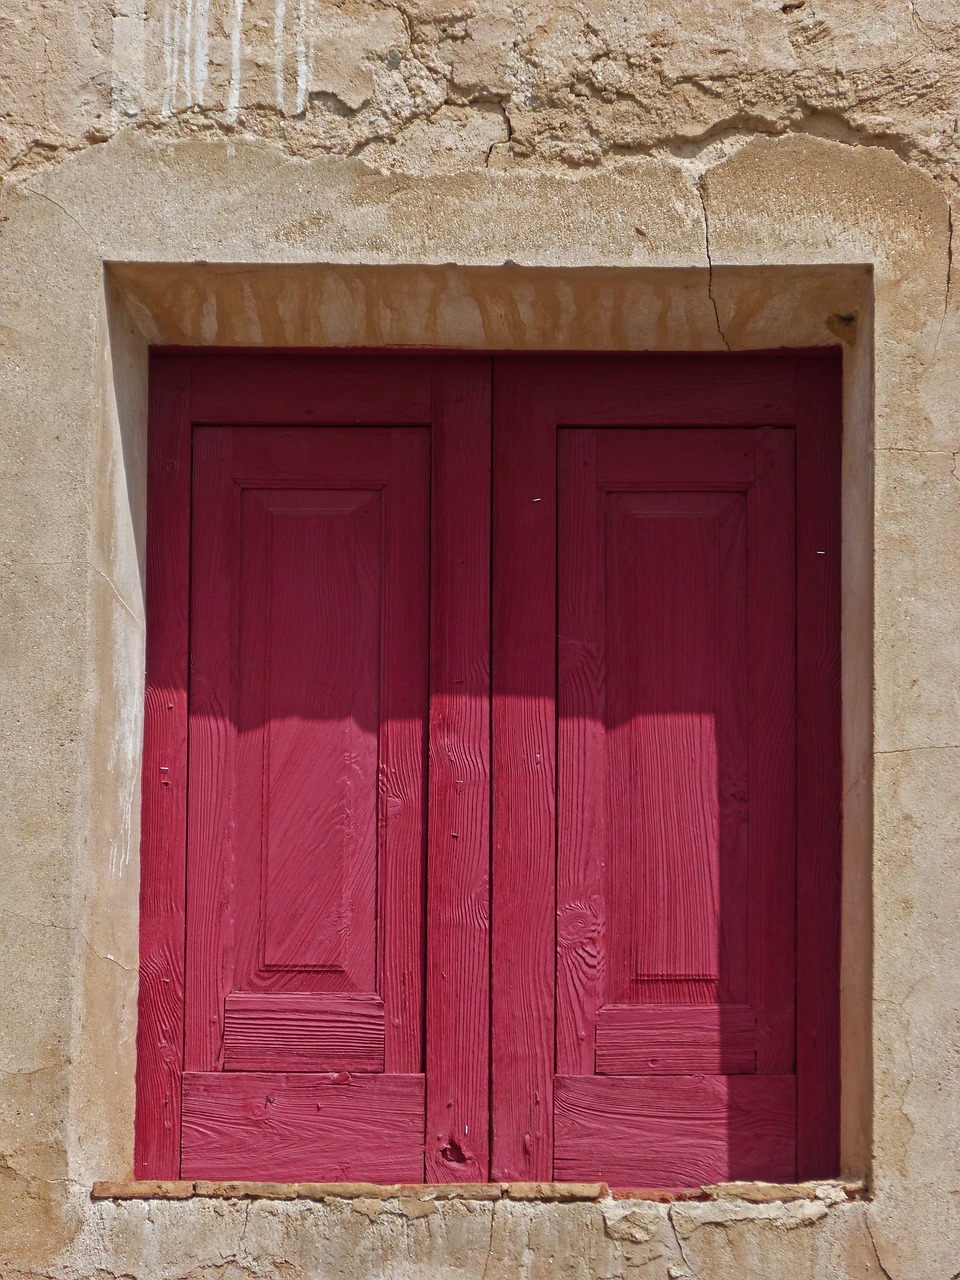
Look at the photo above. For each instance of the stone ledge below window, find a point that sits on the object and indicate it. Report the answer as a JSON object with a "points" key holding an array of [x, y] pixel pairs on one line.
{"points": [[830, 1192]]}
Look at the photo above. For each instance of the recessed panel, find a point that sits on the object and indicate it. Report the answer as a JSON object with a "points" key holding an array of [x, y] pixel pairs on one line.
{"points": [[316, 556], [676, 762]]}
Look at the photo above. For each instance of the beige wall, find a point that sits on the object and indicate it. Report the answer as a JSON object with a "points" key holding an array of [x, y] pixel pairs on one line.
{"points": [[685, 175]]}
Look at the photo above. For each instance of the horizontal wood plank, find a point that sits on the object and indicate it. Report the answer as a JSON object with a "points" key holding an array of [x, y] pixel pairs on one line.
{"points": [[681, 390], [675, 1131], [677, 1039], [274, 1127], [679, 461], [237, 390], [302, 1032]]}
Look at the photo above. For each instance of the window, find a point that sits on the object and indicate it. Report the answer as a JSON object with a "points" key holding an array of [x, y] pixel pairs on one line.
{"points": [[492, 772]]}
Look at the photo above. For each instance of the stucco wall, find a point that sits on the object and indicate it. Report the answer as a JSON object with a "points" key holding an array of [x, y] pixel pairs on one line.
{"points": [[685, 175]]}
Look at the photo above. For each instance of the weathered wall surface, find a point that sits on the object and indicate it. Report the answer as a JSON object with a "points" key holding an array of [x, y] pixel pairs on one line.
{"points": [[451, 83], [690, 174]]}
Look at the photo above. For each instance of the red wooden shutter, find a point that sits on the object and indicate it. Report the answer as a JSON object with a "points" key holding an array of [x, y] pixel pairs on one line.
{"points": [[666, 677], [306, 791], [677, 827], [665, 732], [314, 1005]]}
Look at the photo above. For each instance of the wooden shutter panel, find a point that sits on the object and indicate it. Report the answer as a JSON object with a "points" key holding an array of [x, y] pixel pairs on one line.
{"points": [[306, 795], [677, 703], [685, 1026], [298, 1018]]}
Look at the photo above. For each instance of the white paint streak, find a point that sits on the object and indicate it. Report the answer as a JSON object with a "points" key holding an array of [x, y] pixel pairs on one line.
{"points": [[208, 319], [236, 54], [168, 62], [201, 50], [311, 49], [279, 16], [176, 46], [185, 53], [128, 68], [251, 313], [302, 68]]}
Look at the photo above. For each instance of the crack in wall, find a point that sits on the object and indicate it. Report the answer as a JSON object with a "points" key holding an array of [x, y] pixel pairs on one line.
{"points": [[946, 291], [486, 1263], [139, 620], [876, 1252], [592, 95], [920, 27], [706, 236], [505, 142], [693, 1274], [296, 135], [66, 212]]}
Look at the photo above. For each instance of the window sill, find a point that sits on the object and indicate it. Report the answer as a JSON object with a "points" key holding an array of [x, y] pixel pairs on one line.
{"points": [[829, 1191]]}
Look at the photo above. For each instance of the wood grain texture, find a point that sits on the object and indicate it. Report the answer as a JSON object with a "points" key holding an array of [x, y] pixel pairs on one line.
{"points": [[677, 720], [675, 1131], [238, 388], [404, 718], [524, 779], [306, 858], [671, 565], [675, 390], [164, 803], [667, 455], [373, 684], [264, 1126], [291, 661], [663, 1039], [302, 1032], [819, 437], [211, 795], [619, 1011], [581, 797], [308, 699], [458, 880], [773, 709]]}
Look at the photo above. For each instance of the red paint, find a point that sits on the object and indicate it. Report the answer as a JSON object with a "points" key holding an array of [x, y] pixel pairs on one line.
{"points": [[302, 1032], [458, 880], [677, 700], [689, 620], [524, 746], [304, 881], [676, 1039], [819, 765], [663, 980], [302, 643], [284, 1128], [674, 1131], [163, 787]]}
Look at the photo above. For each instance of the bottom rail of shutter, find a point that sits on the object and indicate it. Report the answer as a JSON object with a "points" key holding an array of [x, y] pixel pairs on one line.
{"points": [[676, 1039], [675, 1131], [302, 1032], [274, 1127]]}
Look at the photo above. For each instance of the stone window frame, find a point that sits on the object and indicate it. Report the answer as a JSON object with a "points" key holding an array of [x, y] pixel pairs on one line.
{"points": [[515, 308]]}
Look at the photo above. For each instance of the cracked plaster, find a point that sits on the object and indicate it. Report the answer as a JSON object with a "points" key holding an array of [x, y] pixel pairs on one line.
{"points": [[574, 83], [743, 151]]}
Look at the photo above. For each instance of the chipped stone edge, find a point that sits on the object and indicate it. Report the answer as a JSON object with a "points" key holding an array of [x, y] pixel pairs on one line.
{"points": [[830, 1191]]}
